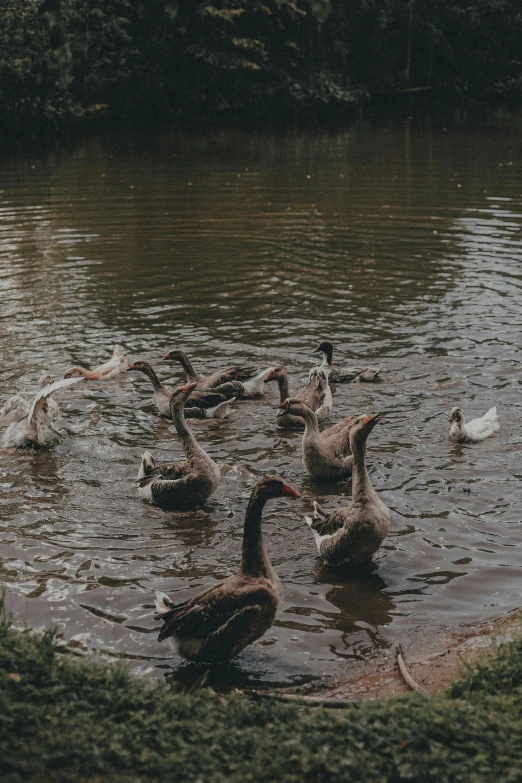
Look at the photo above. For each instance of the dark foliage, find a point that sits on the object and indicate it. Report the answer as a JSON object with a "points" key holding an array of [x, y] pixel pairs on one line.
{"points": [[63, 61]]}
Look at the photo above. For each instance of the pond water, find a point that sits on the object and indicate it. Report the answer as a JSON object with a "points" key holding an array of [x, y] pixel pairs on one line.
{"points": [[399, 241]]}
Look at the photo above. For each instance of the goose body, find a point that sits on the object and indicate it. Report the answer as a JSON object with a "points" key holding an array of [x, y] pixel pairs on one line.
{"points": [[316, 394], [200, 405], [245, 390], [116, 365], [351, 535], [346, 374], [475, 430], [326, 454], [30, 420], [179, 484], [234, 373], [222, 620]]}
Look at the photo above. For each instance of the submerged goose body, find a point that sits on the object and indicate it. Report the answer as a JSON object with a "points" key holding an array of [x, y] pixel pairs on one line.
{"points": [[351, 535], [316, 394], [200, 405], [234, 373], [116, 365], [30, 420], [245, 390], [179, 484], [326, 454], [221, 621], [345, 374], [475, 430]]}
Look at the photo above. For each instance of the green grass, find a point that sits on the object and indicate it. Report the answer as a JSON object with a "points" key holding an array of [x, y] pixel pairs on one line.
{"points": [[64, 720]]}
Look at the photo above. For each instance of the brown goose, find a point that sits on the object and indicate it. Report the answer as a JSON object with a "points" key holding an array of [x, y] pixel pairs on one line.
{"points": [[327, 454], [200, 405], [177, 484], [222, 620], [316, 394], [347, 374], [353, 534], [235, 373], [116, 365]]}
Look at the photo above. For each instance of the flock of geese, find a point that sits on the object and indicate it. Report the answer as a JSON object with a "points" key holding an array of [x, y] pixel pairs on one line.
{"points": [[219, 622]]}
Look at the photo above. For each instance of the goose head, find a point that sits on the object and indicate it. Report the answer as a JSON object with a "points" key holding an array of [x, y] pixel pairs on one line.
{"points": [[362, 427], [456, 416], [174, 356], [326, 350], [274, 487], [140, 366], [75, 372], [180, 395], [275, 374]]}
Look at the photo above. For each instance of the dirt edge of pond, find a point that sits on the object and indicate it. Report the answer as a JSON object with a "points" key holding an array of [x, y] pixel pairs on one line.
{"points": [[433, 662]]}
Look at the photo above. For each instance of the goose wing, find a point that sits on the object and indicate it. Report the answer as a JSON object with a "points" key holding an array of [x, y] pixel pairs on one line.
{"points": [[38, 400], [235, 373], [209, 612], [15, 409], [339, 436]]}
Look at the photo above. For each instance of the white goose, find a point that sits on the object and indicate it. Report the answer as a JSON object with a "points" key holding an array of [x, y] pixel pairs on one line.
{"points": [[116, 365], [474, 430], [30, 420]]}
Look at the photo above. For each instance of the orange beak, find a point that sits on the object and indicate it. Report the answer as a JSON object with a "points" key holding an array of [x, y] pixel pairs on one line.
{"points": [[270, 376], [373, 417], [167, 356], [290, 491], [130, 367], [189, 387]]}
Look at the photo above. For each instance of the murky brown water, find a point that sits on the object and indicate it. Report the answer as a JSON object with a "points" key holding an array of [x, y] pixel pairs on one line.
{"points": [[401, 243]]}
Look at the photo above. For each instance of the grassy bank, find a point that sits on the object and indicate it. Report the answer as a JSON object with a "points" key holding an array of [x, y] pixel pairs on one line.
{"points": [[64, 720]]}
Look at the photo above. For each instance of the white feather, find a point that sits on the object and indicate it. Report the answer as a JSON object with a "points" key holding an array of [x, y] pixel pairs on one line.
{"points": [[162, 603], [47, 390], [256, 384], [220, 410]]}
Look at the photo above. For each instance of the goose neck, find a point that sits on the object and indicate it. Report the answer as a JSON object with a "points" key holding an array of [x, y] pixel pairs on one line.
{"points": [[187, 366], [282, 382], [151, 374], [193, 450], [360, 480], [254, 560]]}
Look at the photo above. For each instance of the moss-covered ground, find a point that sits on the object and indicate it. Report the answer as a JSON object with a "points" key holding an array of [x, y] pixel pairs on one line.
{"points": [[64, 720]]}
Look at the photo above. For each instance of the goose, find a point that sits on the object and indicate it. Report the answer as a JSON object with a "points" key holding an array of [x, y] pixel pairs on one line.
{"points": [[351, 535], [29, 421], [200, 405], [327, 454], [235, 373], [222, 620], [174, 484], [317, 394], [474, 430], [347, 374], [116, 365]]}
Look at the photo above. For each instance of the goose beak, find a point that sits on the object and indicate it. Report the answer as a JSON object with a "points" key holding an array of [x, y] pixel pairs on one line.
{"points": [[189, 387], [290, 491], [270, 376], [317, 350], [130, 367], [167, 356], [372, 419]]}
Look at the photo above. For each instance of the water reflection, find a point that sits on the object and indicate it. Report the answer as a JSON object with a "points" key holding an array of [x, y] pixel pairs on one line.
{"points": [[401, 243]]}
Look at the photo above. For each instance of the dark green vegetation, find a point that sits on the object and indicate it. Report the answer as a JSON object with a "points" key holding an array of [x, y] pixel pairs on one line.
{"points": [[62, 720], [66, 61]]}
